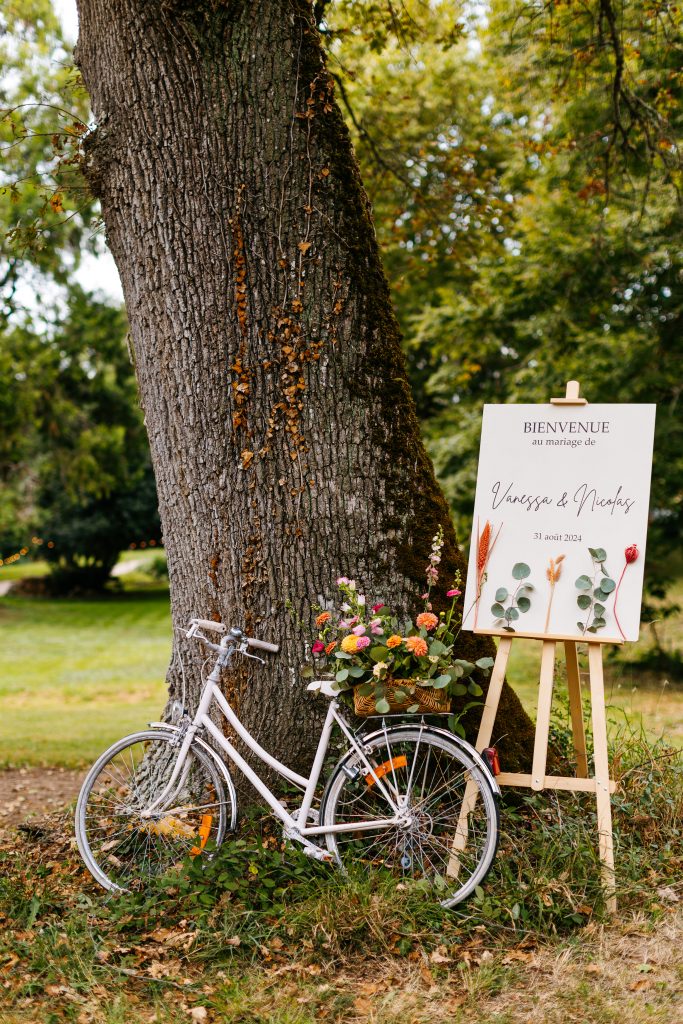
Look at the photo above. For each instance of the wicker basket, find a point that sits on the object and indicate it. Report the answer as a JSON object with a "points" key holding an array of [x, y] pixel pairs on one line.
{"points": [[428, 700]]}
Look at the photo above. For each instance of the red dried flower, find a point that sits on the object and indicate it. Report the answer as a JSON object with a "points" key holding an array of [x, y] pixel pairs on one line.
{"points": [[631, 553]]}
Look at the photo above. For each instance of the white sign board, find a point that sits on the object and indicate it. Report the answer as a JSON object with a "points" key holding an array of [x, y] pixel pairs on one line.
{"points": [[560, 521]]}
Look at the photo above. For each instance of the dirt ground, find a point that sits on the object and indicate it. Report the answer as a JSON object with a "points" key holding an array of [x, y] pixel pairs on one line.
{"points": [[34, 792]]}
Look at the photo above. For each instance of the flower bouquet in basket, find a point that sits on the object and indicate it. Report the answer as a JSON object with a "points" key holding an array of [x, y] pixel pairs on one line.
{"points": [[388, 664]]}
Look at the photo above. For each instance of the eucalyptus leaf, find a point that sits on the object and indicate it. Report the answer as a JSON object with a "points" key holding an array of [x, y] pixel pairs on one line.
{"points": [[342, 655], [584, 583], [520, 571], [436, 648], [413, 709], [382, 706], [607, 585], [440, 682], [511, 614], [599, 622], [497, 610], [524, 604], [379, 653], [600, 554], [591, 629], [342, 675], [475, 689], [355, 671], [599, 594], [583, 601], [501, 594], [484, 663], [580, 626], [458, 690], [366, 689], [598, 608]]}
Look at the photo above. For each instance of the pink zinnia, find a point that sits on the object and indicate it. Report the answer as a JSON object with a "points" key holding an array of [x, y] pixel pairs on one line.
{"points": [[362, 643], [453, 593], [318, 647], [358, 630]]}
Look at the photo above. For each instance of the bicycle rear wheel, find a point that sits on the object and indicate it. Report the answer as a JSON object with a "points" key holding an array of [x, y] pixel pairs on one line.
{"points": [[123, 846], [448, 840]]}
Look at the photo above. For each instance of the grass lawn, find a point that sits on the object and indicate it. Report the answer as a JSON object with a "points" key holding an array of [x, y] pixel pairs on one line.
{"points": [[77, 674]]}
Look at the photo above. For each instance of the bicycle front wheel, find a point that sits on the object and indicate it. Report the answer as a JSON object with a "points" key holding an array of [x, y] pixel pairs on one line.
{"points": [[124, 844], [446, 841]]}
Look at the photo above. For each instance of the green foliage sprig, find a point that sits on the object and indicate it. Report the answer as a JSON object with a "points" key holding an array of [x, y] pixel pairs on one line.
{"points": [[508, 606], [592, 596]]}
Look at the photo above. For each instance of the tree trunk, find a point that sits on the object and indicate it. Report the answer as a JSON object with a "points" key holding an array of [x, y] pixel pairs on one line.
{"points": [[284, 437]]}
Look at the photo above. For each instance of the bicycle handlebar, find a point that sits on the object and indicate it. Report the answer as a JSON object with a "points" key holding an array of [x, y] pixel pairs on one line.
{"points": [[220, 627]]}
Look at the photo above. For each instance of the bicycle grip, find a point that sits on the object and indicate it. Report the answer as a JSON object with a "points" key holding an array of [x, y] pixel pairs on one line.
{"points": [[217, 627], [262, 645]]}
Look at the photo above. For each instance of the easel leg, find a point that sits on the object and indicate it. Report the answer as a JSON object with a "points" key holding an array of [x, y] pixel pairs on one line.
{"points": [[606, 844], [545, 700], [488, 719], [576, 708]]}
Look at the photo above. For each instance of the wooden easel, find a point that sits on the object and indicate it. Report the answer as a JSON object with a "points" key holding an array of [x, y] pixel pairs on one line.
{"points": [[600, 784]]}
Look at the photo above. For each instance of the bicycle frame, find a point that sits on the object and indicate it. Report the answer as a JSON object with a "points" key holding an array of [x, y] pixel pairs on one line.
{"points": [[295, 824]]}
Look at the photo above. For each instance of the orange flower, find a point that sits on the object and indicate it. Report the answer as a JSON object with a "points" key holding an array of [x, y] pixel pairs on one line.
{"points": [[330, 647], [394, 640], [322, 619], [417, 645], [349, 644], [428, 620]]}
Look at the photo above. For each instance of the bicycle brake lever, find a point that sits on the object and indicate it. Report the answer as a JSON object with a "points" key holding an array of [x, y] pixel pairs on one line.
{"points": [[247, 655]]}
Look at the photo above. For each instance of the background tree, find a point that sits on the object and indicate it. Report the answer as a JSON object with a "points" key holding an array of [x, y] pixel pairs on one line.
{"points": [[75, 443]]}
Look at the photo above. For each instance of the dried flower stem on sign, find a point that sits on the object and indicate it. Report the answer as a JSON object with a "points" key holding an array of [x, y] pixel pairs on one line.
{"points": [[553, 573], [485, 548]]}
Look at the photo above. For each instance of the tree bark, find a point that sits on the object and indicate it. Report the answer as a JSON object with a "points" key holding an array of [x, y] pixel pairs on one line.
{"points": [[284, 437]]}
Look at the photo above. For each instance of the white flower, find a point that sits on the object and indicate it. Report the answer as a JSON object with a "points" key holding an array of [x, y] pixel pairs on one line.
{"points": [[379, 668], [361, 600]]}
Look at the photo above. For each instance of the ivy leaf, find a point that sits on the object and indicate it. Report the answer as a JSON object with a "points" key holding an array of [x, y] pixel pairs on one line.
{"points": [[520, 571], [584, 583]]}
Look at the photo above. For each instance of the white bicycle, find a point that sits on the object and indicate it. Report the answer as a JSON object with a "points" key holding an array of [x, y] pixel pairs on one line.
{"points": [[407, 797]]}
